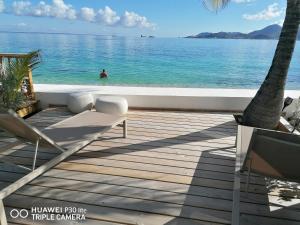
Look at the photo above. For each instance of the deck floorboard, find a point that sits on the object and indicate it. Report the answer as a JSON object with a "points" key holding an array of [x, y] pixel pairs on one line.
{"points": [[174, 168]]}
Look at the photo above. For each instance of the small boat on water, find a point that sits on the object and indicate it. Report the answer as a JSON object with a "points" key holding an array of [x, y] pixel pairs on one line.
{"points": [[144, 36]]}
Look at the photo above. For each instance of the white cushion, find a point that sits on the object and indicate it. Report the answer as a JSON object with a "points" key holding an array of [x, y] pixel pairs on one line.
{"points": [[80, 102], [112, 105]]}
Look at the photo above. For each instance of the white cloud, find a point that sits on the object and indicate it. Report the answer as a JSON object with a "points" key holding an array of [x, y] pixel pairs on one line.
{"points": [[21, 7], [271, 12], [107, 16], [132, 19], [2, 6], [87, 14], [42, 9], [59, 9]]}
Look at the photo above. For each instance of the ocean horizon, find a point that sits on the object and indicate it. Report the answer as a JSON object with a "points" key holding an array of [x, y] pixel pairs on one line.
{"points": [[159, 62]]}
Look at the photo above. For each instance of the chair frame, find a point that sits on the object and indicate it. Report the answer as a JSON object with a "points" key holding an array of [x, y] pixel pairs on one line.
{"points": [[45, 167], [244, 142]]}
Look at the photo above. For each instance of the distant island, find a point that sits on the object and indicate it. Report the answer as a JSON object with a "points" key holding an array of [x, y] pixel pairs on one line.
{"points": [[269, 32]]}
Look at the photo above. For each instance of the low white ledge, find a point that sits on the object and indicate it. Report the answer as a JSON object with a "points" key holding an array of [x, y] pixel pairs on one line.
{"points": [[157, 97]]}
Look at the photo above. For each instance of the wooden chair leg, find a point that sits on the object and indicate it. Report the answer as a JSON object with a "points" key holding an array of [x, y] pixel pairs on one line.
{"points": [[125, 129], [248, 176], [3, 220]]}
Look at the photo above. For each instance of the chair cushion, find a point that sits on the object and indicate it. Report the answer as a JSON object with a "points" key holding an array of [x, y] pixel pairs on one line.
{"points": [[112, 105], [80, 102]]}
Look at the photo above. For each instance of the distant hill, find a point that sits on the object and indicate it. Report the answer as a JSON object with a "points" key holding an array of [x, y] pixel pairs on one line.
{"points": [[269, 32]]}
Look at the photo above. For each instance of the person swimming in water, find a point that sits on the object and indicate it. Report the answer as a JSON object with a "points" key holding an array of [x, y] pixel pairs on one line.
{"points": [[103, 74]]}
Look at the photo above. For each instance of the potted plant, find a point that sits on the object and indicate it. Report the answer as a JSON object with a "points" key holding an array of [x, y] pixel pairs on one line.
{"points": [[14, 86]]}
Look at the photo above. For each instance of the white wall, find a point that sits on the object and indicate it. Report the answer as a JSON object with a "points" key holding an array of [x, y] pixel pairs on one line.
{"points": [[152, 97]]}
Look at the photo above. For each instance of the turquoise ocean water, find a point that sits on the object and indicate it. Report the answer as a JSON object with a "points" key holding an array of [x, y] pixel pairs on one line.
{"points": [[175, 62]]}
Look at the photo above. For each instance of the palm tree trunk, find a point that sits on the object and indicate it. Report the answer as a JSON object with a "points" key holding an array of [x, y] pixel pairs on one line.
{"points": [[265, 108]]}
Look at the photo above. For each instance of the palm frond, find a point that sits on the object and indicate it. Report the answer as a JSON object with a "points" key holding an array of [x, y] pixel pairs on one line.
{"points": [[19, 67], [215, 5]]}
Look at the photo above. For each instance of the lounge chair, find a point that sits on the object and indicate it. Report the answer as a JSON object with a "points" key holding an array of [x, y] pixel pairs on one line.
{"points": [[68, 136], [266, 152]]}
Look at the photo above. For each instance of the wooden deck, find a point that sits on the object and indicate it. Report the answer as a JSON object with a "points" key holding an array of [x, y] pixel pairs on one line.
{"points": [[174, 168]]}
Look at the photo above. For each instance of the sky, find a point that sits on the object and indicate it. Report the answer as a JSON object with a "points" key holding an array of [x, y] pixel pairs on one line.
{"points": [[162, 18]]}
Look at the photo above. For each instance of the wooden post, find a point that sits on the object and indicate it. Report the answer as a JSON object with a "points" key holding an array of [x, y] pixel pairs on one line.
{"points": [[1, 64], [31, 91]]}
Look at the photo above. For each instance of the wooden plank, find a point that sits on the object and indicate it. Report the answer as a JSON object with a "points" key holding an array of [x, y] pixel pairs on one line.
{"points": [[191, 155], [203, 203], [155, 197], [199, 173], [201, 169], [202, 135], [102, 181], [252, 219], [111, 149], [224, 154], [145, 175], [207, 175], [131, 161], [137, 142], [182, 116], [96, 212], [274, 197], [158, 158], [184, 200], [141, 183], [29, 221], [176, 122], [119, 183], [129, 203], [216, 126], [186, 126], [133, 172], [180, 127], [226, 125], [167, 141]]}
